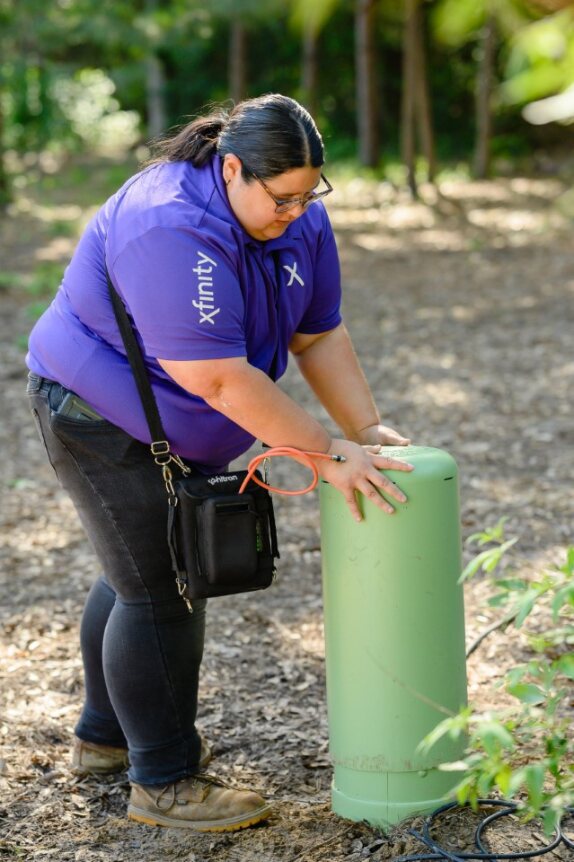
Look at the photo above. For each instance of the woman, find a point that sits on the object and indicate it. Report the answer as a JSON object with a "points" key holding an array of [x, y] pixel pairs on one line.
{"points": [[224, 267]]}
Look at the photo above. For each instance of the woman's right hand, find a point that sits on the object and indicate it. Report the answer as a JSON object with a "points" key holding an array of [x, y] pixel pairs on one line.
{"points": [[360, 472]]}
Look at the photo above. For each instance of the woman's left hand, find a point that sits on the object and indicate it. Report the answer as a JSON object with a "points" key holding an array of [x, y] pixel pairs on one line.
{"points": [[380, 435]]}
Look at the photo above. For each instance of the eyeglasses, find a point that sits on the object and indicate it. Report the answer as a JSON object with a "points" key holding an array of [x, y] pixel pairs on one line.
{"points": [[283, 205]]}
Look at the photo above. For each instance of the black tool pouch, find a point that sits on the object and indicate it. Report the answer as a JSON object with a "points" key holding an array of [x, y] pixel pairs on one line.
{"points": [[221, 542]]}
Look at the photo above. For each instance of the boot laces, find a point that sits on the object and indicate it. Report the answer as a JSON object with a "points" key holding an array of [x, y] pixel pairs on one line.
{"points": [[168, 795]]}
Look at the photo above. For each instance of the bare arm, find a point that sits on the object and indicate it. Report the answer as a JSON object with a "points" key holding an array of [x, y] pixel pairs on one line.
{"points": [[249, 398], [330, 366]]}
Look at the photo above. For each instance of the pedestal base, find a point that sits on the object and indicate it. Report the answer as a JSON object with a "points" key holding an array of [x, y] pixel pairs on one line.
{"points": [[398, 796]]}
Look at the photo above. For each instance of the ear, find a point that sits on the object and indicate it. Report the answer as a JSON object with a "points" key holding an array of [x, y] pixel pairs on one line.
{"points": [[231, 168]]}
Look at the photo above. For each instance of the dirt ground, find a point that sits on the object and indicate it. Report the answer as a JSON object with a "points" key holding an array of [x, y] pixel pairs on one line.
{"points": [[461, 309]]}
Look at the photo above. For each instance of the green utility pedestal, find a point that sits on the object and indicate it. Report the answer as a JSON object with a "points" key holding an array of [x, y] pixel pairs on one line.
{"points": [[394, 640]]}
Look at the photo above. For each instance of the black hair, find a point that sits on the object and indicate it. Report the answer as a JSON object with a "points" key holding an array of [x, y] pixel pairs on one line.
{"points": [[270, 134]]}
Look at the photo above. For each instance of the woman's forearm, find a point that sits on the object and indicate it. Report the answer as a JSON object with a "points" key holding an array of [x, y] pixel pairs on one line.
{"points": [[253, 401], [248, 397], [331, 368]]}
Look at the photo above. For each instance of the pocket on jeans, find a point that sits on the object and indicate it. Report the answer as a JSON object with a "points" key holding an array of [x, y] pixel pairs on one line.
{"points": [[75, 422], [72, 409], [96, 438]]}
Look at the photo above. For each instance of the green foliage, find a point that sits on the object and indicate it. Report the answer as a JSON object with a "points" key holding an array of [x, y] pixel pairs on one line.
{"points": [[487, 560], [87, 101], [458, 21], [455, 21], [527, 750], [312, 17], [537, 49], [41, 284], [44, 281], [40, 287], [9, 280], [541, 59], [73, 74]]}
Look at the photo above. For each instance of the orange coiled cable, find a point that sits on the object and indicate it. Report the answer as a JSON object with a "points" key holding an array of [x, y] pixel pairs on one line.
{"points": [[300, 455]]}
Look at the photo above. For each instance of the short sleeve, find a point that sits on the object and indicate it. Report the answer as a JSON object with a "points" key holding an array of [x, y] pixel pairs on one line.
{"points": [[183, 295], [324, 309]]}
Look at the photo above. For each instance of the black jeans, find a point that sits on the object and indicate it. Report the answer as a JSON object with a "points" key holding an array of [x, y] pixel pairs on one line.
{"points": [[141, 647]]}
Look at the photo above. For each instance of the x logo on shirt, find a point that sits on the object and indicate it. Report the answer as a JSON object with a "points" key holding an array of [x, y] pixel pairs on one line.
{"points": [[292, 270]]}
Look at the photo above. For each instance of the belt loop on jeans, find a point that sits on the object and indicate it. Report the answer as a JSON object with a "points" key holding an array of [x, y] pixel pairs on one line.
{"points": [[37, 384]]}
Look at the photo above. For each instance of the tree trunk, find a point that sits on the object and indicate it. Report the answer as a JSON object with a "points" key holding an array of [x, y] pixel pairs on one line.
{"points": [[155, 96], [310, 70], [237, 60], [366, 76], [4, 185], [484, 83], [422, 96], [155, 84], [409, 95]]}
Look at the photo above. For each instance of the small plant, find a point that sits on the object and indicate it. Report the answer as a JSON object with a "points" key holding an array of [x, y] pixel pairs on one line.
{"points": [[526, 751]]}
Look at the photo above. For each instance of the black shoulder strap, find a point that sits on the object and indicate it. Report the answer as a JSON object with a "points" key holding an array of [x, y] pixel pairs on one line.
{"points": [[136, 361], [274, 362]]}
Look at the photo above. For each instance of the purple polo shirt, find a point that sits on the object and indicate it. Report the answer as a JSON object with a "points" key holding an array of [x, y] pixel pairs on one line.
{"points": [[196, 286]]}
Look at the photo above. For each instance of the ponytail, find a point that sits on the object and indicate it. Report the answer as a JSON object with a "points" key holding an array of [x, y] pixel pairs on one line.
{"points": [[196, 142]]}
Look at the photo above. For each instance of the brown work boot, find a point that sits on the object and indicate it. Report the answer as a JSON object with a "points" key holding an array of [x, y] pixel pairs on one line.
{"points": [[90, 758], [201, 803]]}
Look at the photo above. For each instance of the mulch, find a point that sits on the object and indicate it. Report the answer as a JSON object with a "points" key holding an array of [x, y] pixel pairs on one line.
{"points": [[461, 309]]}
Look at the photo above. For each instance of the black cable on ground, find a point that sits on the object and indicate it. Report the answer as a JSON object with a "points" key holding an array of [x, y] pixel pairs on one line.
{"points": [[439, 852]]}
